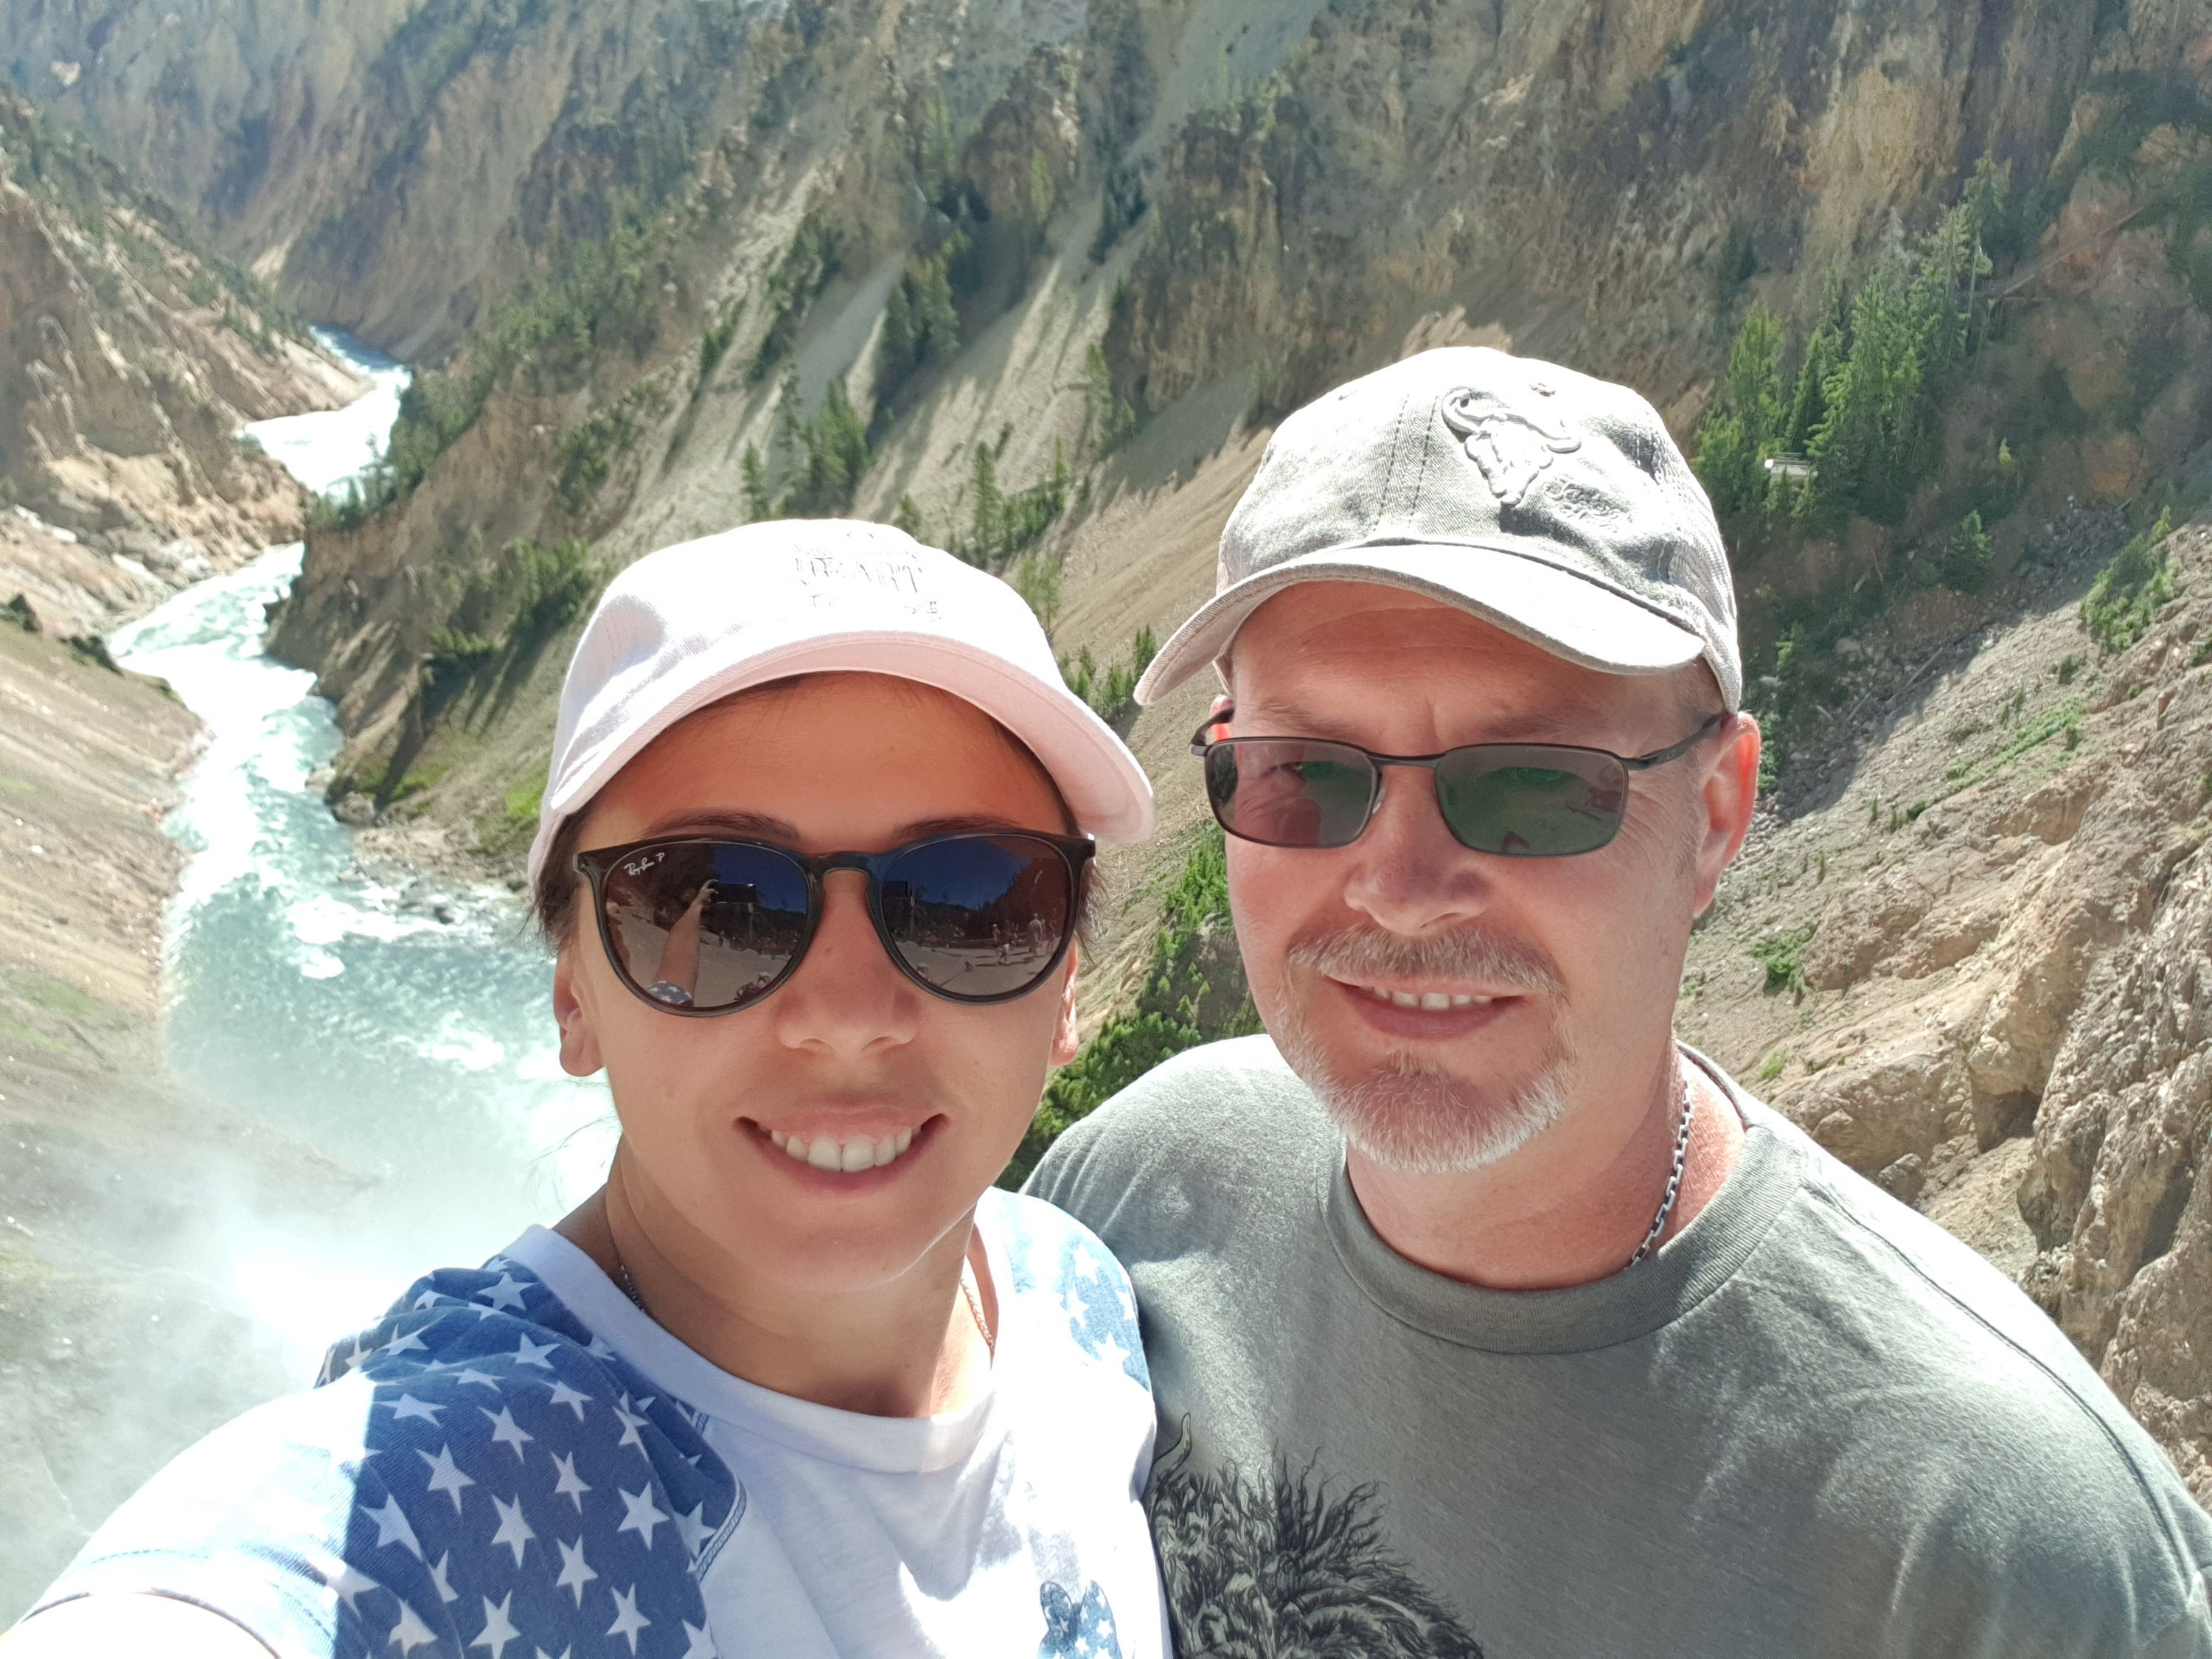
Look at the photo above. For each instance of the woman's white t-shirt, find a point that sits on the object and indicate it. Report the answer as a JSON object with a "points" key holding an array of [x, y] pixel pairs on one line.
{"points": [[519, 1460]]}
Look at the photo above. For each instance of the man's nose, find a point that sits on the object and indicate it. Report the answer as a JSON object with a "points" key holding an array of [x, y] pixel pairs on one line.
{"points": [[847, 998], [1408, 873]]}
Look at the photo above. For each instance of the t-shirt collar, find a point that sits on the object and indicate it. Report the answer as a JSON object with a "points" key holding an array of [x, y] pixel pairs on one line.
{"points": [[1620, 1308], [889, 1445]]}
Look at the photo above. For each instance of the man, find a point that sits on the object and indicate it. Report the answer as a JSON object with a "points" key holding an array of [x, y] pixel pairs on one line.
{"points": [[1483, 1317]]}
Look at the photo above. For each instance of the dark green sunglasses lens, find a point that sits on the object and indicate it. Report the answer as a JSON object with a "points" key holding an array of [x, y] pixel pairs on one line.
{"points": [[1534, 801], [1285, 792]]}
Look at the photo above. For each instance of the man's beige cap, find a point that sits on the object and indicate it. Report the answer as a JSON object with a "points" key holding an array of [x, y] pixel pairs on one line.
{"points": [[1551, 504]]}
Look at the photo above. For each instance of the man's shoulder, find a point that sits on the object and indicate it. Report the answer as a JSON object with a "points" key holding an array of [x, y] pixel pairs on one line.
{"points": [[1211, 1093], [1228, 1116], [1959, 1394]]}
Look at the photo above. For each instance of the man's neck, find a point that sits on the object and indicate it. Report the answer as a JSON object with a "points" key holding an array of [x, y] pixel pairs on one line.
{"points": [[1572, 1205], [909, 1348]]}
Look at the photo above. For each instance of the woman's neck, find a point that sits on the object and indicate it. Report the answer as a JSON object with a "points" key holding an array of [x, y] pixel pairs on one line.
{"points": [[913, 1347]]}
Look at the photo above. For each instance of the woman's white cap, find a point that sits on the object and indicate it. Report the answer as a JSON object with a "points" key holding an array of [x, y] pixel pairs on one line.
{"points": [[694, 623]]}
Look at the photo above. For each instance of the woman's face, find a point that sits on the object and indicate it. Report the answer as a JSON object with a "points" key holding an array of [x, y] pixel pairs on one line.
{"points": [[847, 1047]]}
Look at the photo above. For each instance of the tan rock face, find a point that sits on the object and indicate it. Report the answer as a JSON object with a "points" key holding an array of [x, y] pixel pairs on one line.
{"points": [[2008, 1012], [126, 369]]}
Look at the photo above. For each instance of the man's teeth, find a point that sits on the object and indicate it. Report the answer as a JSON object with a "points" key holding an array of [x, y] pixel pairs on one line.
{"points": [[825, 1152], [1425, 1000]]}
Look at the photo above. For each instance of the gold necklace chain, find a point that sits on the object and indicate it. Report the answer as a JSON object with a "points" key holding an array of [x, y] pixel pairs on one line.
{"points": [[976, 1307]]}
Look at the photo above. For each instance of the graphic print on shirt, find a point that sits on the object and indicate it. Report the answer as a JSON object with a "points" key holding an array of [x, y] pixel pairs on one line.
{"points": [[1077, 1630], [1283, 1568]]}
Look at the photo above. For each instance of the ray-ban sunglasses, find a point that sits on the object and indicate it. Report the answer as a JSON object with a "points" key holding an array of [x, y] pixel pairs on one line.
{"points": [[700, 926], [1530, 800]]}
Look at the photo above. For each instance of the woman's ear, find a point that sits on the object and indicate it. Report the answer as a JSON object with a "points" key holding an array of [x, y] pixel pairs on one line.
{"points": [[580, 1042], [1067, 1041]]}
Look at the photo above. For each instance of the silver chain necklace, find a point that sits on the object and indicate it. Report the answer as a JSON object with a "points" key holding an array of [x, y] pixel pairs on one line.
{"points": [[628, 1284], [1674, 1183]]}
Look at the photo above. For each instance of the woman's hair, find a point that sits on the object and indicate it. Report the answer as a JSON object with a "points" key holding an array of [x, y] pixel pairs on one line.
{"points": [[554, 898]]}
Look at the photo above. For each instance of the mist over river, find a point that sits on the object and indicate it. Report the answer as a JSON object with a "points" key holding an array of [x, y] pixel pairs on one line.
{"points": [[365, 1081]]}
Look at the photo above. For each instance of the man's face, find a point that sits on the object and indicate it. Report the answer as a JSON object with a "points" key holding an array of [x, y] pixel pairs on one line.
{"points": [[847, 1047], [1450, 1005]]}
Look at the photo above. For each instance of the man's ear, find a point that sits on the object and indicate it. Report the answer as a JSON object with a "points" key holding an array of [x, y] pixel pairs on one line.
{"points": [[1726, 797], [1067, 1041], [580, 1042]]}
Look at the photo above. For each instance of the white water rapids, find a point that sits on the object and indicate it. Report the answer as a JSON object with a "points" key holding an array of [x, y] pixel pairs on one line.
{"points": [[399, 1024]]}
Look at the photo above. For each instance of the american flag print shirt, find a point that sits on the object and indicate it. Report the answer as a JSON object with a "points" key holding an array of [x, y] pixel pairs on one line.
{"points": [[516, 1463]]}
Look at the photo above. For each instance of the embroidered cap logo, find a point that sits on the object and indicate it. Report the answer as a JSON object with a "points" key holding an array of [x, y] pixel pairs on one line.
{"points": [[1512, 448]]}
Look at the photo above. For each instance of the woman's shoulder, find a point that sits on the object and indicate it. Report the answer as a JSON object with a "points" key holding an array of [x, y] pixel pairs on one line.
{"points": [[1060, 1271], [479, 1437]]}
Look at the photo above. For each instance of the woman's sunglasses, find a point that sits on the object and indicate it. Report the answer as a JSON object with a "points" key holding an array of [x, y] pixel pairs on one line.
{"points": [[1530, 800], [698, 926]]}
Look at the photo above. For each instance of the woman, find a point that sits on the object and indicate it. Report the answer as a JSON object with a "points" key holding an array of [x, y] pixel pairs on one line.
{"points": [[797, 1380]]}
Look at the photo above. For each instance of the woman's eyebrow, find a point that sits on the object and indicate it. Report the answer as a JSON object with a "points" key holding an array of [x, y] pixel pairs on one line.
{"points": [[758, 826], [922, 828]]}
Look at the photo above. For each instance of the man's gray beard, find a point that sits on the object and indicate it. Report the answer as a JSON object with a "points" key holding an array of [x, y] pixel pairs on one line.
{"points": [[1407, 1115]]}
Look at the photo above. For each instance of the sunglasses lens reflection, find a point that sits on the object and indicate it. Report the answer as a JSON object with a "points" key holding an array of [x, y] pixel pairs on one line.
{"points": [[1534, 801], [703, 926], [1287, 792], [982, 917]]}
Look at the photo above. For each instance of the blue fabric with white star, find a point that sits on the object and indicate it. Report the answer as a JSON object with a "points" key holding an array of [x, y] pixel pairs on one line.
{"points": [[477, 1474]]}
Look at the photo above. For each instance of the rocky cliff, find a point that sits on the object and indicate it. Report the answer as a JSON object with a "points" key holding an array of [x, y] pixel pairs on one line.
{"points": [[129, 356], [1036, 276]]}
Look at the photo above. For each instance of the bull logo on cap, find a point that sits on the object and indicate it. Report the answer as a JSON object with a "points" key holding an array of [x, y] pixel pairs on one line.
{"points": [[1512, 447]]}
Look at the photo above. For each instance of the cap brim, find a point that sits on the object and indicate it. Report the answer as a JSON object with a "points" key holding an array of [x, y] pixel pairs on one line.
{"points": [[1568, 615], [1105, 789]]}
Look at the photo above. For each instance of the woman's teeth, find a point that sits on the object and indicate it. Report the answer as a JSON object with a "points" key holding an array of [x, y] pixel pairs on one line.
{"points": [[825, 1152], [1425, 1000]]}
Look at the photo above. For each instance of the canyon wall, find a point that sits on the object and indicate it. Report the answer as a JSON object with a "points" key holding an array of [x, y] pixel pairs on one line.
{"points": [[129, 356]]}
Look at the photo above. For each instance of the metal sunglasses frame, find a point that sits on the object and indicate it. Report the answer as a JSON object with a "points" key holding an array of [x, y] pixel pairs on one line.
{"points": [[1377, 764], [1075, 852]]}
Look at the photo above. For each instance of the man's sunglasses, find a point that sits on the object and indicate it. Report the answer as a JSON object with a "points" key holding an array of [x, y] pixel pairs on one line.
{"points": [[699, 925], [1530, 800]]}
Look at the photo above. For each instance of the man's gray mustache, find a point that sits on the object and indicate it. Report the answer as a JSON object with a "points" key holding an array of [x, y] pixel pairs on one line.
{"points": [[1376, 953]]}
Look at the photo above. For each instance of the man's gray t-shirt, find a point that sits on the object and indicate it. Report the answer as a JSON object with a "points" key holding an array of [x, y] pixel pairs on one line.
{"points": [[1812, 1423]]}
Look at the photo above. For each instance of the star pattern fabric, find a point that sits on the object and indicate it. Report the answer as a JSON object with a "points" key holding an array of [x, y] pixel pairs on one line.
{"points": [[467, 1479], [1101, 1312], [483, 1473]]}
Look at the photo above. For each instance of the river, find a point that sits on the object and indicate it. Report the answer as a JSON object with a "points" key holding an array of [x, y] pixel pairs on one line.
{"points": [[399, 1025]]}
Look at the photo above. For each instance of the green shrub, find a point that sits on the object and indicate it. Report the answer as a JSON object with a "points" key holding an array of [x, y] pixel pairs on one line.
{"points": [[2130, 591], [502, 618], [813, 259], [1002, 524], [1783, 957], [1108, 420], [714, 345], [753, 474], [1864, 405], [587, 452], [1967, 556], [922, 325], [831, 454], [1036, 579], [1111, 694], [1177, 1007], [523, 800]]}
